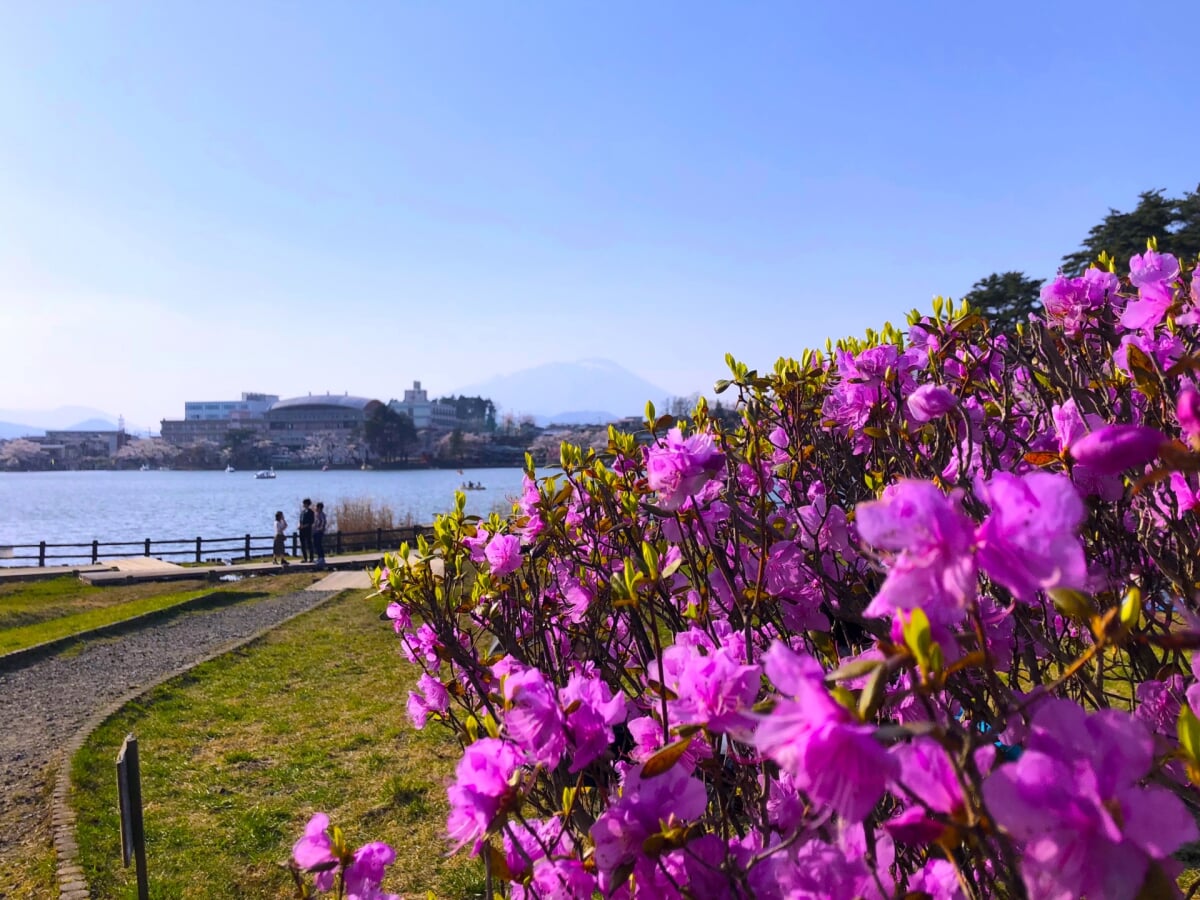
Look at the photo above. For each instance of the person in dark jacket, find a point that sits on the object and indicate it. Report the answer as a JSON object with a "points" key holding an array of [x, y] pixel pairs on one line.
{"points": [[307, 517]]}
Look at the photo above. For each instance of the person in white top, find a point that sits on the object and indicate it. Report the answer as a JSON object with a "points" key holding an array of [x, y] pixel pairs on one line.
{"points": [[279, 551]]}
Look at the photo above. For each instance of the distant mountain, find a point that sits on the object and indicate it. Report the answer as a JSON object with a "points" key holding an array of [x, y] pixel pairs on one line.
{"points": [[10, 430], [93, 425], [589, 384], [65, 418]]}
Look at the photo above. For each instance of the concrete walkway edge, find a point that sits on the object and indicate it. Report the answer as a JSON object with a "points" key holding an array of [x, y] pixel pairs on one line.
{"points": [[70, 877]]}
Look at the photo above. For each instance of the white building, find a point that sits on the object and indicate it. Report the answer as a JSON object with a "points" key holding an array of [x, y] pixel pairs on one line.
{"points": [[425, 413], [251, 406]]}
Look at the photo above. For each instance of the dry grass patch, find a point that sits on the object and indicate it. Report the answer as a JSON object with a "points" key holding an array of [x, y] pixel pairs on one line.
{"points": [[239, 753]]}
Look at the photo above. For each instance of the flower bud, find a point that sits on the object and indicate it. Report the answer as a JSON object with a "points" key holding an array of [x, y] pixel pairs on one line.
{"points": [[1114, 448], [929, 402]]}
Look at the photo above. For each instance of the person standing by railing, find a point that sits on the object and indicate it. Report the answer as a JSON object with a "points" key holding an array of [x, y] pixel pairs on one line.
{"points": [[318, 535], [306, 530], [279, 551]]}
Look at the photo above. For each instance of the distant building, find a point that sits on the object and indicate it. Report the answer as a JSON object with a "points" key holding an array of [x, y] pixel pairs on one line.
{"points": [[251, 406], [291, 422], [182, 432], [72, 447], [426, 413], [212, 420]]}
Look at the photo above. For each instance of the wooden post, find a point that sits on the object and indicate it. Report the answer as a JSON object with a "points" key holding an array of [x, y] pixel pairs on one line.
{"points": [[379, 539], [95, 552], [199, 544], [247, 548], [41, 553], [337, 542], [129, 797], [147, 546]]}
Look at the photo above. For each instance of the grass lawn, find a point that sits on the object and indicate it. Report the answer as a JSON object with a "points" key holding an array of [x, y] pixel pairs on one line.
{"points": [[32, 612], [239, 753]]}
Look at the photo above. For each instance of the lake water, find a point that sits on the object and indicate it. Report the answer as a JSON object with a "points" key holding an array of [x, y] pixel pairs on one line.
{"points": [[77, 507]]}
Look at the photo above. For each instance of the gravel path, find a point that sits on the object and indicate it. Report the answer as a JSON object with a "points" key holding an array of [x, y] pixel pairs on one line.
{"points": [[45, 703]]}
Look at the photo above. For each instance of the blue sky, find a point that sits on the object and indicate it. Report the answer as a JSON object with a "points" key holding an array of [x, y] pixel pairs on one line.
{"points": [[201, 199]]}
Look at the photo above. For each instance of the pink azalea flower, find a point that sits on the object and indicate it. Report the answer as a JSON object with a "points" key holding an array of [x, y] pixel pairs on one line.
{"points": [[678, 467], [1147, 311], [939, 879], [1112, 449], [1030, 541], [476, 543], [644, 804], [929, 402], [1073, 802], [533, 720], [401, 620], [430, 696], [927, 772], [526, 841], [1070, 426], [594, 712], [1187, 410], [528, 504], [503, 554], [1152, 268], [362, 876], [316, 849], [365, 873], [789, 578], [482, 785], [557, 879], [712, 689], [831, 757], [934, 568], [1193, 692]]}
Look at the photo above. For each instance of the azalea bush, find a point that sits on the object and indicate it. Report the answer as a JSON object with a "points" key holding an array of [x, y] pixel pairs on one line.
{"points": [[922, 625]]}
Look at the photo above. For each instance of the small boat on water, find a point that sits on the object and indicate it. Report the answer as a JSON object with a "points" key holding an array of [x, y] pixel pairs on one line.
{"points": [[265, 473], [471, 486], [230, 469], [145, 467]]}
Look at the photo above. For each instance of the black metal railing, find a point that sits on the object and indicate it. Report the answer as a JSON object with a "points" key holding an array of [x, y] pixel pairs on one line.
{"points": [[198, 549]]}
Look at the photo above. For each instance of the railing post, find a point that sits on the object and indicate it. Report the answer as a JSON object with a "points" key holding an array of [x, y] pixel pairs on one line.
{"points": [[199, 543], [247, 548], [379, 539], [337, 542], [41, 553], [295, 543], [95, 552], [147, 546]]}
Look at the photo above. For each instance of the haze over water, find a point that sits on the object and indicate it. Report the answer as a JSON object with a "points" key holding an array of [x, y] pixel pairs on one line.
{"points": [[78, 507]]}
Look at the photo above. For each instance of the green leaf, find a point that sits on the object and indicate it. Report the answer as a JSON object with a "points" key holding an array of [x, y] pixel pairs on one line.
{"points": [[918, 637], [1189, 734], [872, 697], [855, 669], [1131, 608], [664, 759], [1072, 603]]}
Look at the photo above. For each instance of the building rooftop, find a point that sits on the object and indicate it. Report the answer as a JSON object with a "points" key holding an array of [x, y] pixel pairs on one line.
{"points": [[343, 400]]}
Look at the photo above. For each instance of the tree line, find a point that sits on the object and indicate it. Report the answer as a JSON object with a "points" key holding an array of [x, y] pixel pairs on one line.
{"points": [[1007, 298]]}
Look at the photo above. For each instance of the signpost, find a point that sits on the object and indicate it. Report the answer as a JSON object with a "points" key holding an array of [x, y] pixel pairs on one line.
{"points": [[129, 793]]}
